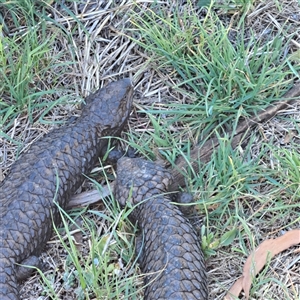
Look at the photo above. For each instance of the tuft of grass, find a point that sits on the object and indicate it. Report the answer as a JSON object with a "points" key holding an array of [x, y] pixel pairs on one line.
{"points": [[104, 269], [289, 168], [23, 62], [28, 69], [220, 75], [20, 14]]}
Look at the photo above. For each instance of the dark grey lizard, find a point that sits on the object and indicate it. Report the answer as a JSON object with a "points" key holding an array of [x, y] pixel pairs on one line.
{"points": [[171, 256], [50, 172]]}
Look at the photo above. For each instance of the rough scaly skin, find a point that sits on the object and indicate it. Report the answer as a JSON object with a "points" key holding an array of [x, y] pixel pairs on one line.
{"points": [[50, 172], [171, 253]]}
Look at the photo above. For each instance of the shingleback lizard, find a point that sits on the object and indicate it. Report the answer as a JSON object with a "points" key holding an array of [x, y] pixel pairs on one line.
{"points": [[49, 173]]}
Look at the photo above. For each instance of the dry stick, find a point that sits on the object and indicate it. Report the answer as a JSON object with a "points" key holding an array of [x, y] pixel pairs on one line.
{"points": [[201, 154], [90, 197]]}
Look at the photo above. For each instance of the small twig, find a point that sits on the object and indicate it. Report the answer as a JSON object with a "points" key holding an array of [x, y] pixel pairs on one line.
{"points": [[90, 197]]}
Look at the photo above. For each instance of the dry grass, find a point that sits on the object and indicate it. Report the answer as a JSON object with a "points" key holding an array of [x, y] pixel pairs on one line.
{"points": [[93, 37]]}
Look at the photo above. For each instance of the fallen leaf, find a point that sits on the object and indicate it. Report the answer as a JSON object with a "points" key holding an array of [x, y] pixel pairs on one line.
{"points": [[257, 260]]}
